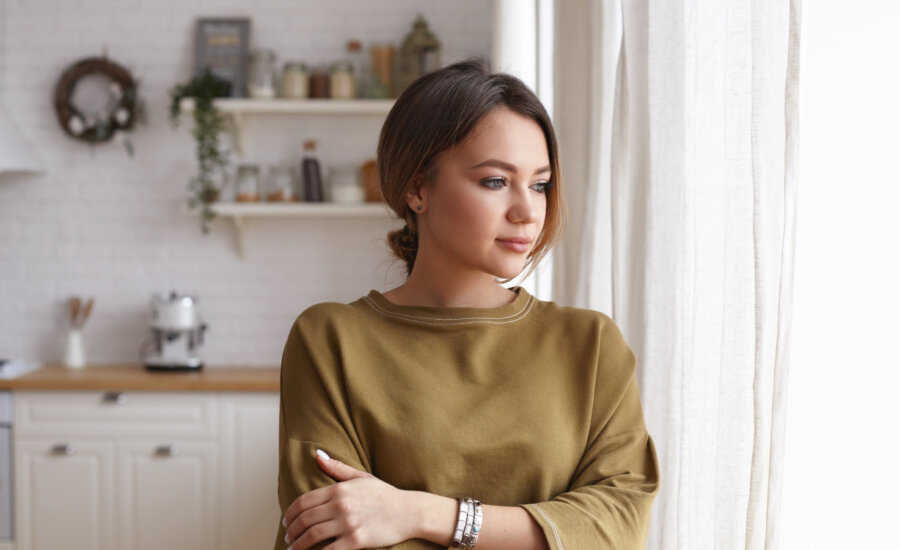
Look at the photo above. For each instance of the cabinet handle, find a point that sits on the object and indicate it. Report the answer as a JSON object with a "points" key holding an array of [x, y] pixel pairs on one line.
{"points": [[114, 397], [63, 449], [167, 450]]}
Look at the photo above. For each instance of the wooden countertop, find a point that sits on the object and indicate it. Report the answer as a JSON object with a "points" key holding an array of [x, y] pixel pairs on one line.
{"points": [[53, 377]]}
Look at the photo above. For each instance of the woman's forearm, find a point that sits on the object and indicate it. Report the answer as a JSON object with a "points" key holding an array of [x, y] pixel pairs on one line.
{"points": [[502, 527]]}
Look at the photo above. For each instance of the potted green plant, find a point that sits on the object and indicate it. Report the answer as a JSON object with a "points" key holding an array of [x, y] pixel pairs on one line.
{"points": [[208, 125]]}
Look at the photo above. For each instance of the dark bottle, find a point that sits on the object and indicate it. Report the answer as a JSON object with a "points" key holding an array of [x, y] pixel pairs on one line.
{"points": [[312, 175]]}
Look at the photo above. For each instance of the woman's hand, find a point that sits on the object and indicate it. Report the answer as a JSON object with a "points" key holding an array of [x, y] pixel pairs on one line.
{"points": [[360, 511]]}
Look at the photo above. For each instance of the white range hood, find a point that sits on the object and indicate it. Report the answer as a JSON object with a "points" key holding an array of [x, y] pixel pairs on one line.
{"points": [[16, 154]]}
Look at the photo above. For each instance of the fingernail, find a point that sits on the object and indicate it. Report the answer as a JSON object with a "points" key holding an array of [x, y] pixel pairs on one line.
{"points": [[323, 454], [286, 540], [284, 522]]}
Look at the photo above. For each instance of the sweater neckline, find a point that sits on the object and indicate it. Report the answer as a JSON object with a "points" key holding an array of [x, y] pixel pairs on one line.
{"points": [[439, 315]]}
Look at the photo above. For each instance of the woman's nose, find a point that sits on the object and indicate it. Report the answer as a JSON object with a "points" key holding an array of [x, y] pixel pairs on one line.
{"points": [[522, 209]]}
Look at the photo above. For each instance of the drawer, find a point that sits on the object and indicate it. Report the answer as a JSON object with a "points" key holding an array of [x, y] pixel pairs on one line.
{"points": [[95, 413]]}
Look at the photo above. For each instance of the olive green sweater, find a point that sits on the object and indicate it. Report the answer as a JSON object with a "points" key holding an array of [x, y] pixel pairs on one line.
{"points": [[529, 404]]}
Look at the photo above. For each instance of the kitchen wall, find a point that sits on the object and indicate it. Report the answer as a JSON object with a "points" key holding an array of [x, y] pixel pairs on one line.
{"points": [[100, 223]]}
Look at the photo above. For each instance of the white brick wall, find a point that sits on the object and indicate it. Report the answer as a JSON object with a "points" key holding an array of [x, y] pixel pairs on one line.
{"points": [[100, 223]]}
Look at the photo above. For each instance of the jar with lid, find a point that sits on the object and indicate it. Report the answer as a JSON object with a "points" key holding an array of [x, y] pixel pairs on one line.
{"points": [[279, 185], [318, 83], [261, 82], [342, 82], [343, 185], [294, 81], [247, 183]]}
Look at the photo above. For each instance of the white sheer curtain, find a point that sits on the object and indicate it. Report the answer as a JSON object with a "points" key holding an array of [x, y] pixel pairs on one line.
{"points": [[678, 135]]}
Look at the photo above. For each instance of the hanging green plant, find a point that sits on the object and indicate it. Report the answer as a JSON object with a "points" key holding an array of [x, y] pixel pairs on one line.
{"points": [[208, 125]]}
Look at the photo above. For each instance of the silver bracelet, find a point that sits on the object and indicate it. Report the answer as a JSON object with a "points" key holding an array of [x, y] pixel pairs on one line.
{"points": [[468, 526], [470, 521], [476, 528], [460, 524]]}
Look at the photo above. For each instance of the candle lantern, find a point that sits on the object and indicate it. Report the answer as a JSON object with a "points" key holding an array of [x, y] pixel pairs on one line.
{"points": [[419, 53]]}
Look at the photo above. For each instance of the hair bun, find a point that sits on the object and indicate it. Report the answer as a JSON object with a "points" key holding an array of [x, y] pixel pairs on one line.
{"points": [[404, 243]]}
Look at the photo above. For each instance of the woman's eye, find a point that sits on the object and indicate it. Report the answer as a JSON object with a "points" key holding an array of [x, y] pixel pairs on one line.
{"points": [[542, 187], [494, 183], [498, 183]]}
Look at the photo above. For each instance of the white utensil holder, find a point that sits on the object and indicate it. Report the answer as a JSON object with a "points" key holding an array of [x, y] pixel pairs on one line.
{"points": [[74, 357]]}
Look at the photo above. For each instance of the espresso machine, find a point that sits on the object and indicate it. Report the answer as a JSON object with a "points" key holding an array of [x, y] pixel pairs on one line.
{"points": [[177, 334]]}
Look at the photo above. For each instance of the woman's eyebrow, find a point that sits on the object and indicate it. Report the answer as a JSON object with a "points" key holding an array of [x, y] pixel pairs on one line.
{"points": [[507, 166]]}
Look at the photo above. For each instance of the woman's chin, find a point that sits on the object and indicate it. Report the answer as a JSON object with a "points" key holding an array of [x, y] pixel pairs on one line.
{"points": [[509, 272]]}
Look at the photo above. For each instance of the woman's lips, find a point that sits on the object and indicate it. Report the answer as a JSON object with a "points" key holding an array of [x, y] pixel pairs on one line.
{"points": [[516, 245]]}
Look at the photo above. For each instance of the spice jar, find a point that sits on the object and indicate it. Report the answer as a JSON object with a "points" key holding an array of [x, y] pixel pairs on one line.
{"points": [[261, 83], [343, 185], [318, 83], [342, 82], [294, 81], [280, 185], [247, 184], [361, 69]]}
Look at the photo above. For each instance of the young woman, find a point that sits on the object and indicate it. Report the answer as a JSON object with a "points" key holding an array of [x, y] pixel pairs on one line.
{"points": [[451, 411]]}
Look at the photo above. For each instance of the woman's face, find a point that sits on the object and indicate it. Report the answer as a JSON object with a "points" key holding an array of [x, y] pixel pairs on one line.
{"points": [[486, 205]]}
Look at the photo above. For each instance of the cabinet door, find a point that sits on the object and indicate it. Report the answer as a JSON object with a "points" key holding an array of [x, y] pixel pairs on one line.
{"points": [[64, 495], [250, 510], [168, 495]]}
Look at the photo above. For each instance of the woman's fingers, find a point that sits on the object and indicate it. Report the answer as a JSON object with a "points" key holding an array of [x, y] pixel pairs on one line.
{"points": [[306, 520], [316, 497], [317, 533], [337, 469]]}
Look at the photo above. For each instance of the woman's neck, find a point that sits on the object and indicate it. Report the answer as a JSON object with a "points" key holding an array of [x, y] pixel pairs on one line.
{"points": [[437, 288]]}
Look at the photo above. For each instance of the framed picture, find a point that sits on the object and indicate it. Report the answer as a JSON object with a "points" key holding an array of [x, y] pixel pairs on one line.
{"points": [[222, 45]]}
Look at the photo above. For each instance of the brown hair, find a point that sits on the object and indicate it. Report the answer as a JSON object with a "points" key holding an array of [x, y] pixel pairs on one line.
{"points": [[436, 112]]}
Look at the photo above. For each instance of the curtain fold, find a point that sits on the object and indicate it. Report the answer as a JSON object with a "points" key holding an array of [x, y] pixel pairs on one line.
{"points": [[677, 124]]}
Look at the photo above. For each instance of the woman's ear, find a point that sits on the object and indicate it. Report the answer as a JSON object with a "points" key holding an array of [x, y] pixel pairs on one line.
{"points": [[417, 196]]}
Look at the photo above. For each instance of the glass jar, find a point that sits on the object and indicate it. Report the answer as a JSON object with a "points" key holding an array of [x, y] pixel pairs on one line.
{"points": [[318, 83], [294, 81], [279, 185], [342, 83], [343, 185], [261, 82], [247, 183], [360, 66], [381, 85]]}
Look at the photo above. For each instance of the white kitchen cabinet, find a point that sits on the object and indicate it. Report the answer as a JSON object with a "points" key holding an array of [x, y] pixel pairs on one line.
{"points": [[64, 494], [168, 495], [114, 414], [142, 470], [249, 481]]}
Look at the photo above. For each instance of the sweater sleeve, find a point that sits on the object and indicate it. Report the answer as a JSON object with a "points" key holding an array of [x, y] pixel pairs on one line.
{"points": [[608, 502], [313, 415]]}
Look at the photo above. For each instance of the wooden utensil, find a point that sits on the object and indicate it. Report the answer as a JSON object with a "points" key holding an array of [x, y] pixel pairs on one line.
{"points": [[74, 306], [87, 312]]}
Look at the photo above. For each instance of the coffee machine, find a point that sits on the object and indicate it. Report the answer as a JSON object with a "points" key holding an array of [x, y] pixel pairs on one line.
{"points": [[177, 334]]}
